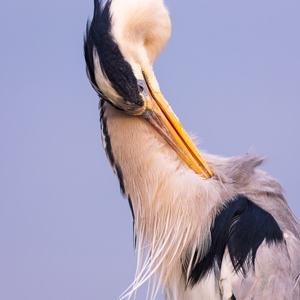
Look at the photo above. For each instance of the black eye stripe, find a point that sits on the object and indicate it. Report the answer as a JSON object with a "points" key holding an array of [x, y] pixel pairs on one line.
{"points": [[113, 65]]}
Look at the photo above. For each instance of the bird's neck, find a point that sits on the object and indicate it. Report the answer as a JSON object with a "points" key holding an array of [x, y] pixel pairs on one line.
{"points": [[150, 171], [167, 197]]}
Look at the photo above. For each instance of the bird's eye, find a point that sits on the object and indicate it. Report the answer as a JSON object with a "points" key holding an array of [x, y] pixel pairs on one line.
{"points": [[142, 88]]}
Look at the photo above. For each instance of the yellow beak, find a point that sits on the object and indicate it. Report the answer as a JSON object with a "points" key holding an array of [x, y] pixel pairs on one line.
{"points": [[160, 115]]}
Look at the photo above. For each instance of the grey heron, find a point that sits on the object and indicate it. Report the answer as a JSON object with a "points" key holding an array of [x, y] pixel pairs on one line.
{"points": [[213, 227]]}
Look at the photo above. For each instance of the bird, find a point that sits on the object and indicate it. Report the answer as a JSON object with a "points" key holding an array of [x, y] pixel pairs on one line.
{"points": [[205, 226]]}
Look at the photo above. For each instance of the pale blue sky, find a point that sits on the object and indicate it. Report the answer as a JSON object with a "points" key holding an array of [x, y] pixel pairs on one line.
{"points": [[231, 73]]}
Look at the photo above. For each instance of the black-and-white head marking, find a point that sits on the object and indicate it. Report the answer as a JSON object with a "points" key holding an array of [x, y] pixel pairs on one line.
{"points": [[110, 74]]}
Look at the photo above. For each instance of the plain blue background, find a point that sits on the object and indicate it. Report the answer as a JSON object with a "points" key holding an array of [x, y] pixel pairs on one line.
{"points": [[231, 73]]}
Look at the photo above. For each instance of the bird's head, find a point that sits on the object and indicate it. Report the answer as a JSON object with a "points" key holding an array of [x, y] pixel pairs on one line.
{"points": [[121, 44]]}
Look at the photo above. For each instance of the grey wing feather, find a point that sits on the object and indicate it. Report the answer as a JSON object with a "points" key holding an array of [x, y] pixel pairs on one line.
{"points": [[276, 272]]}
